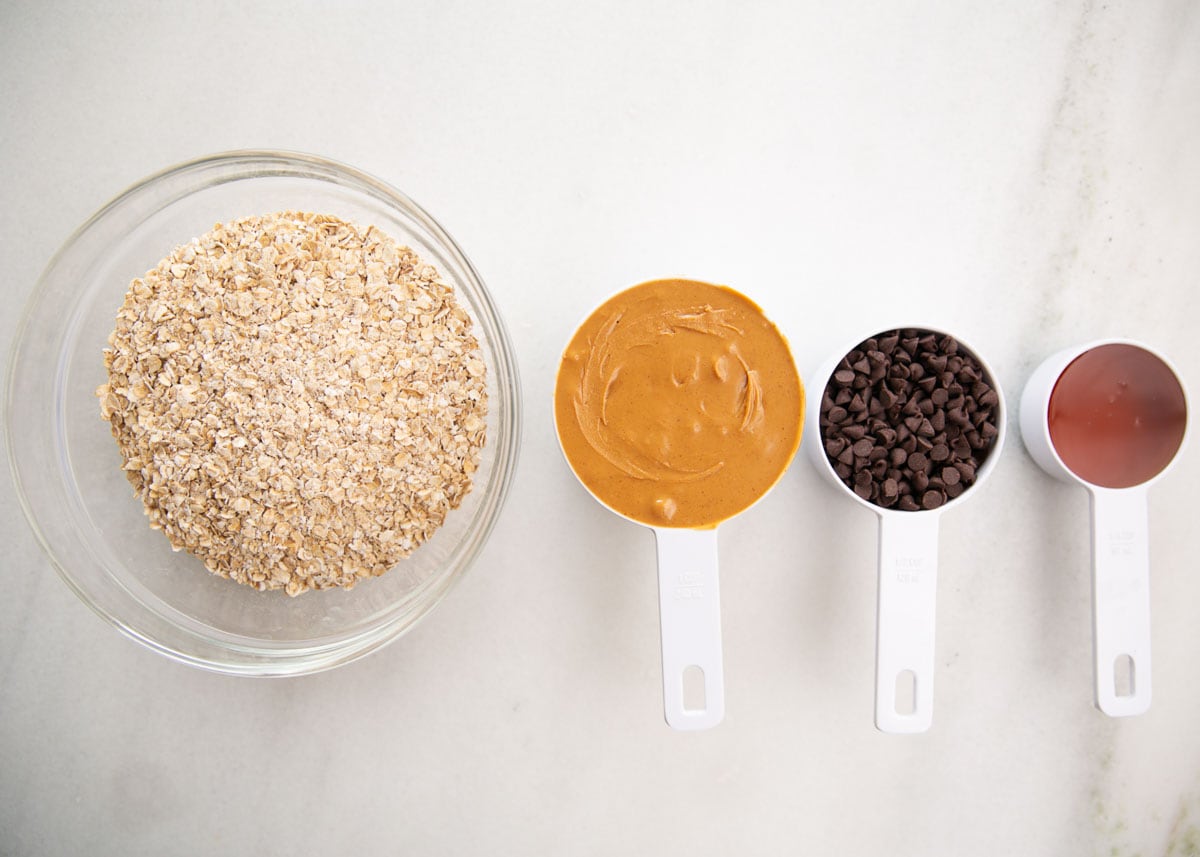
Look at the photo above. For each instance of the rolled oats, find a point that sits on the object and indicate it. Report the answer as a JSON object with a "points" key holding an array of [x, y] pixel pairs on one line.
{"points": [[298, 401]]}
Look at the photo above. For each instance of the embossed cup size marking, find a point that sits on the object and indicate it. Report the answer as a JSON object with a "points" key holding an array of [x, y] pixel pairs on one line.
{"points": [[689, 586], [908, 569], [1121, 543]]}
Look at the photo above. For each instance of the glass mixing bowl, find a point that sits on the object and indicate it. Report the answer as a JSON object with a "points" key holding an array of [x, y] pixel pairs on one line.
{"points": [[67, 467]]}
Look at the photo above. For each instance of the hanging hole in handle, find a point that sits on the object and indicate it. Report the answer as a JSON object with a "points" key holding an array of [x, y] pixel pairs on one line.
{"points": [[906, 693], [694, 697], [1123, 676]]}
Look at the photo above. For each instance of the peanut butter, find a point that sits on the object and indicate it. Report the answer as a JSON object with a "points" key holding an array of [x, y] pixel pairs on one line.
{"points": [[678, 403]]}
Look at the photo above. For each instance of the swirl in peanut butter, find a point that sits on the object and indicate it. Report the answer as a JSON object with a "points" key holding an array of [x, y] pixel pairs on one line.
{"points": [[678, 403]]}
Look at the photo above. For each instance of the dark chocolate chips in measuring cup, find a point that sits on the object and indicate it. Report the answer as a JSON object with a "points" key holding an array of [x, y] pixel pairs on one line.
{"points": [[908, 418]]}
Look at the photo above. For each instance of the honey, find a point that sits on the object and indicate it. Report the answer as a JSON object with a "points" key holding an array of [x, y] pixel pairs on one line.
{"points": [[1117, 416]]}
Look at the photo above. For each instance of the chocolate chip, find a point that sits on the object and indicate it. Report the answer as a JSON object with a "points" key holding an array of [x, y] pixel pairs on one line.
{"points": [[844, 376], [863, 484], [932, 499], [918, 462], [940, 452], [837, 415]]}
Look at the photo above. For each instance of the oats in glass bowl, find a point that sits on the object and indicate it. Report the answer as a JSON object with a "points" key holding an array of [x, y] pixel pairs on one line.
{"points": [[298, 401]]}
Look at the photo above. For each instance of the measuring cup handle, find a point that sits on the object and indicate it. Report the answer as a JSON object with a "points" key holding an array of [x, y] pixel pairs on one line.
{"points": [[904, 655], [689, 601], [1121, 600]]}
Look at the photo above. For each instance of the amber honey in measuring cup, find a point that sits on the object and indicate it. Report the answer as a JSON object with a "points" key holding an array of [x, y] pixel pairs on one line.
{"points": [[678, 405], [1111, 416]]}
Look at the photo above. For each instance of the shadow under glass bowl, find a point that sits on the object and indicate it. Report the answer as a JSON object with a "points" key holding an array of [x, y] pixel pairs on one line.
{"points": [[67, 467]]}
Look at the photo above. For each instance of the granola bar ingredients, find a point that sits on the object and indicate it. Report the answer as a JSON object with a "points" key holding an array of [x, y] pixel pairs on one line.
{"points": [[678, 403], [298, 401]]}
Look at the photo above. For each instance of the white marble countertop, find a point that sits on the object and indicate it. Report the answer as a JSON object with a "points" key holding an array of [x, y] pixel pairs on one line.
{"points": [[1027, 175]]}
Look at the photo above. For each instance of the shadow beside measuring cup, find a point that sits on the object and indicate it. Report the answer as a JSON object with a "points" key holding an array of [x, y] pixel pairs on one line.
{"points": [[908, 539], [1111, 417]]}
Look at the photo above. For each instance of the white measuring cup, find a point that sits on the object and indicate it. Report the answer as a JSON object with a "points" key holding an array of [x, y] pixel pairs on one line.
{"points": [[1120, 542], [690, 596], [907, 568]]}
